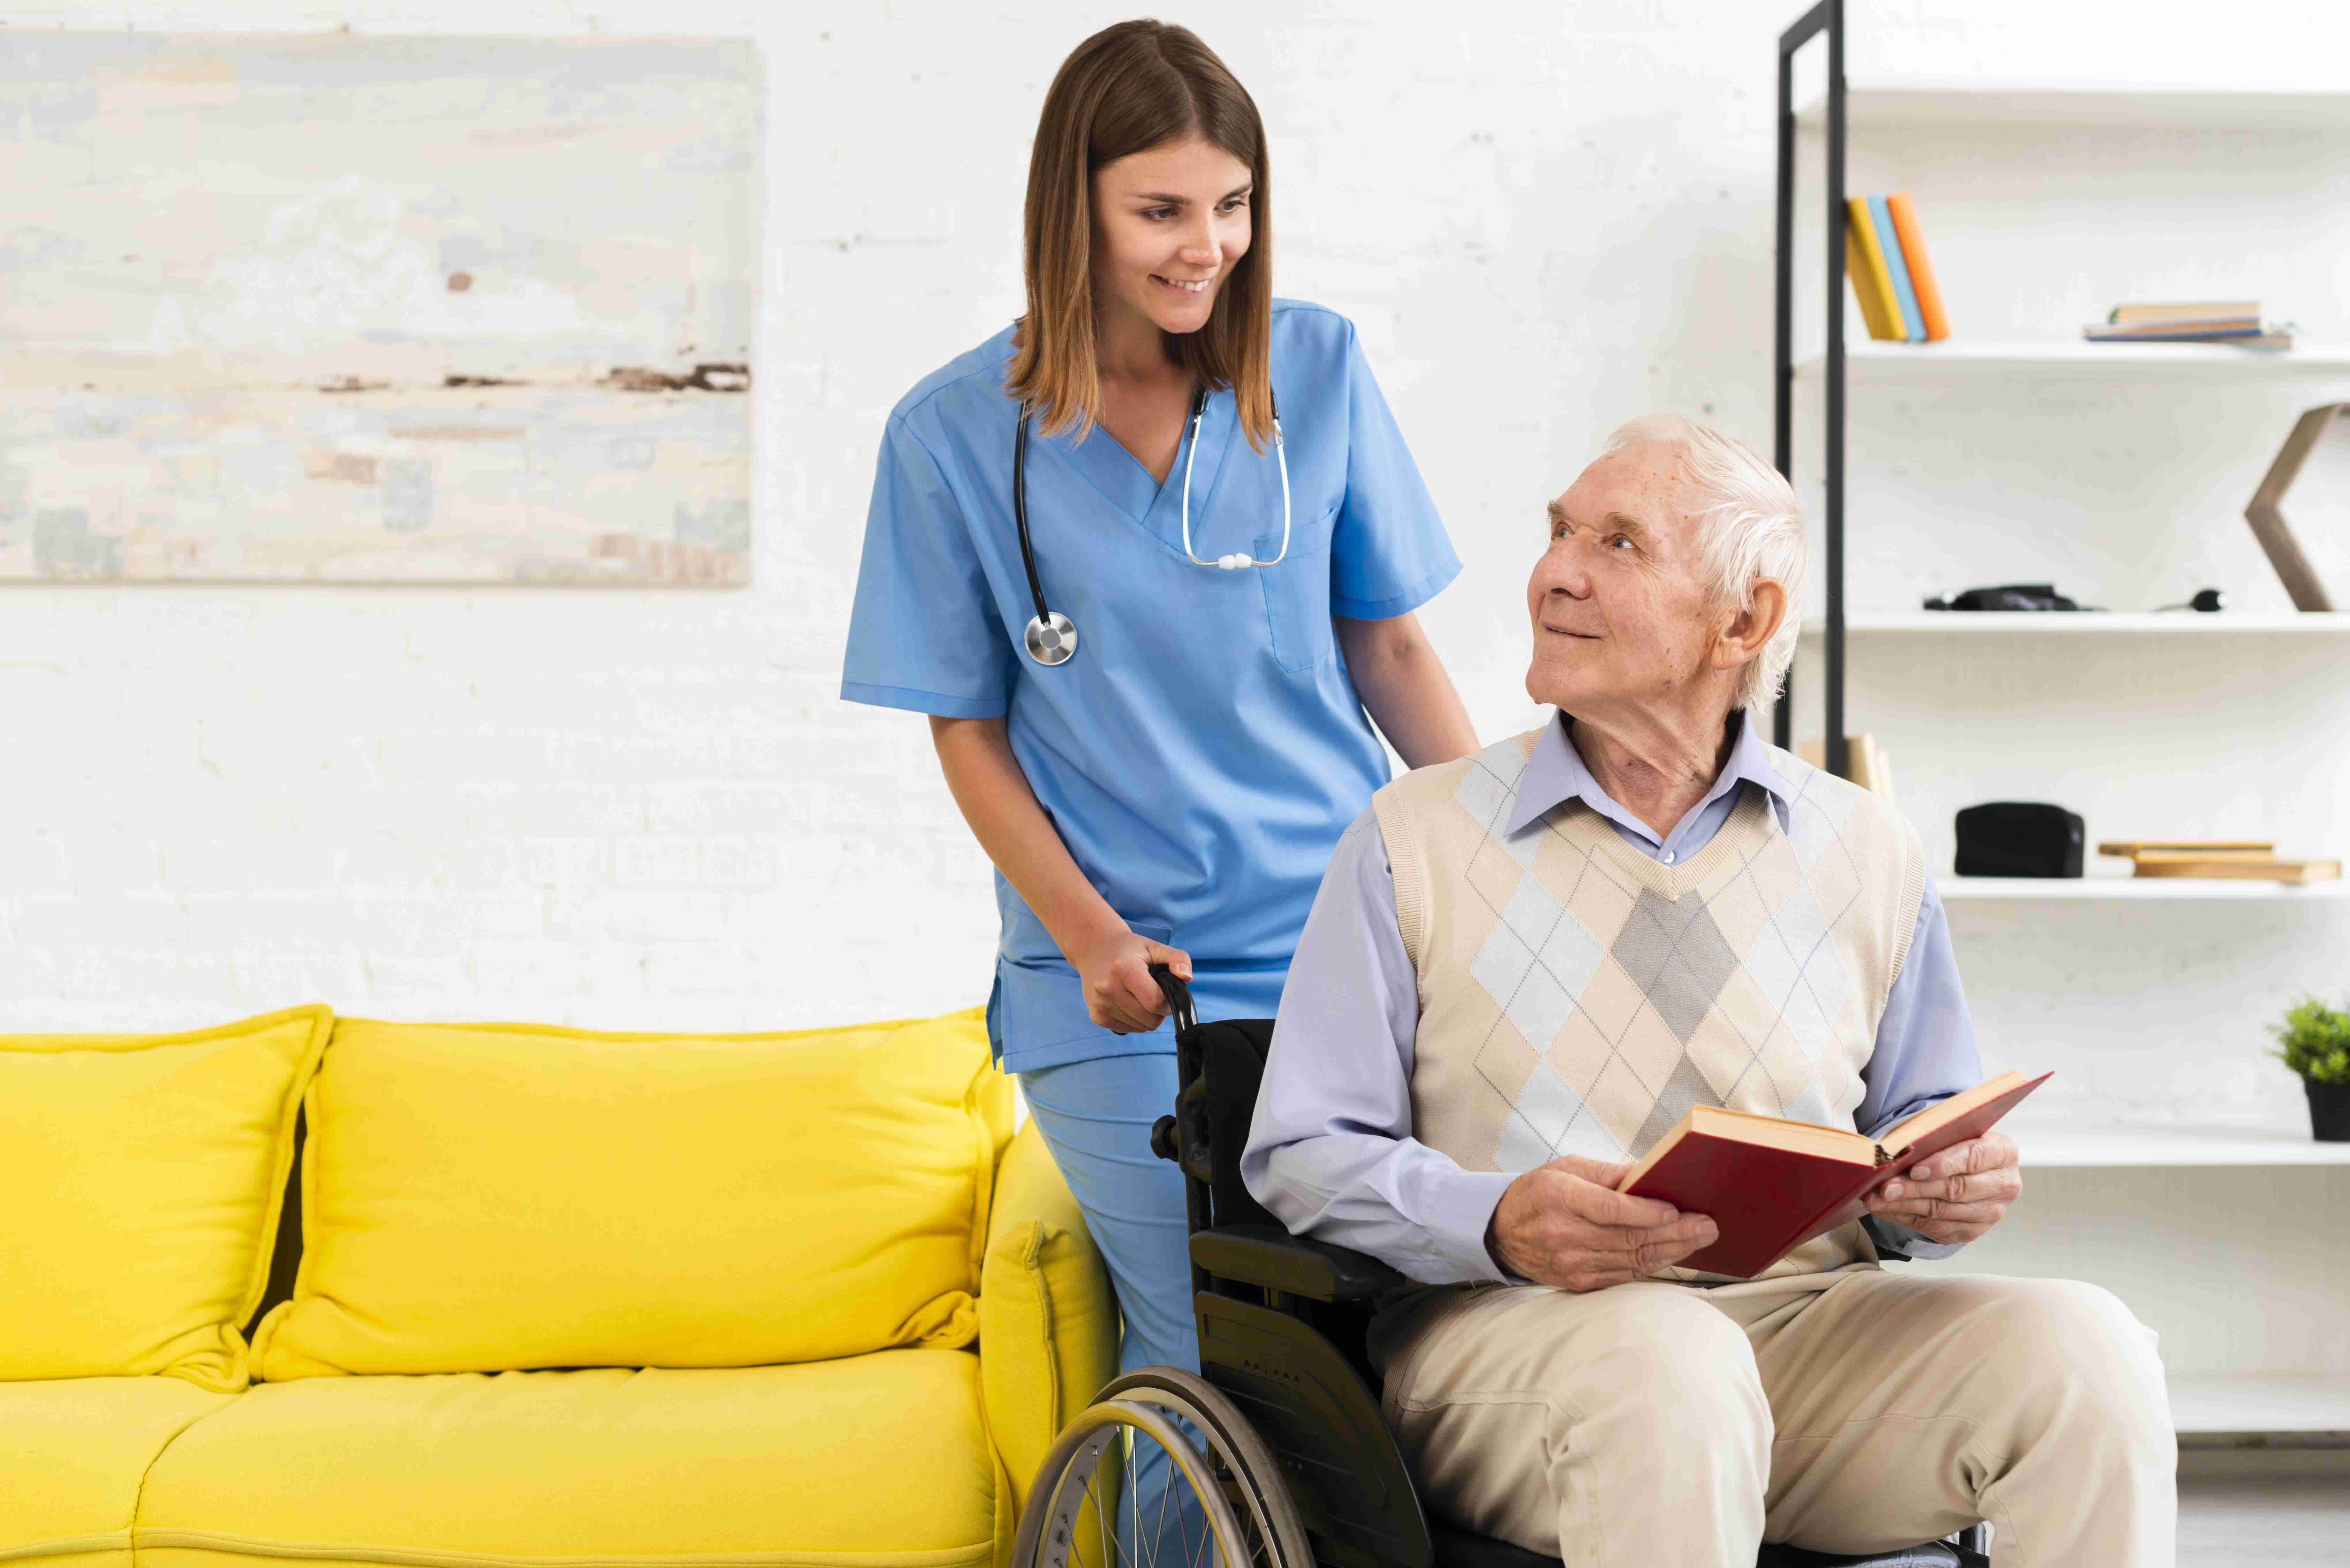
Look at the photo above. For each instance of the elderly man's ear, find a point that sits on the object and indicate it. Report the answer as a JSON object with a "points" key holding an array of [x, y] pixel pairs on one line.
{"points": [[1748, 631]]}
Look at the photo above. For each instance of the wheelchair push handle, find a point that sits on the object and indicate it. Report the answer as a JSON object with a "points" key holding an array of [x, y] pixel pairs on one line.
{"points": [[1178, 998], [1183, 1137]]}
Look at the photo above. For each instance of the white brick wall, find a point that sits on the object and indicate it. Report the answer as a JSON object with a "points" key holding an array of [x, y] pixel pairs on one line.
{"points": [[637, 810]]}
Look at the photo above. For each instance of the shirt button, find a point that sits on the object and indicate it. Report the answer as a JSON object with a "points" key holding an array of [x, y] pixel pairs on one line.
{"points": [[1667, 856]]}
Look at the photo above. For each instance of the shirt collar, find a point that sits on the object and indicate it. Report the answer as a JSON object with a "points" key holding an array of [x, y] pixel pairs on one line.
{"points": [[1555, 773]]}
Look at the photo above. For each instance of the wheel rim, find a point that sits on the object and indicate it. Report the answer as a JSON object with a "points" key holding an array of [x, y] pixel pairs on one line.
{"points": [[1245, 1516], [1280, 1533]]}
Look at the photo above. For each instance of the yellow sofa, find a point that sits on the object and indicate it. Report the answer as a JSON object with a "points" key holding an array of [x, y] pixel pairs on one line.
{"points": [[560, 1297]]}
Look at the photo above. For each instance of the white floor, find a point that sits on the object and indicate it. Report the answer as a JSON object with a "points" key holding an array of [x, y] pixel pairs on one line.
{"points": [[2278, 1510]]}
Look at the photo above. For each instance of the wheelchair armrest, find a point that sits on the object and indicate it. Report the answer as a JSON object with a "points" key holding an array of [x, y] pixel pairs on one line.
{"points": [[1272, 1259]]}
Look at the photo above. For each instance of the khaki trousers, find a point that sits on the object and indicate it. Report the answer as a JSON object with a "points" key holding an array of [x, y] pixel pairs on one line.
{"points": [[1850, 1412]]}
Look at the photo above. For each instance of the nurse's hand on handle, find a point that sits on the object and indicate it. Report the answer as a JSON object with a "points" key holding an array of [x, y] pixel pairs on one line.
{"points": [[1114, 969], [1111, 961]]}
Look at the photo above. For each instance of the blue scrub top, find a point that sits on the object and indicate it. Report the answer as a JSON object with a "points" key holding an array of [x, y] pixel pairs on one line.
{"points": [[1204, 748]]}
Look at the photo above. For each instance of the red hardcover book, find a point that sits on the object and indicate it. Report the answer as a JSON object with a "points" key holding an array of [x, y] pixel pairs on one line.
{"points": [[1771, 1185]]}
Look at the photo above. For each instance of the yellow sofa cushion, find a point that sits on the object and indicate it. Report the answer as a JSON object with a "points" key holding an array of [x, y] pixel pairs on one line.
{"points": [[142, 1175], [878, 1461], [487, 1196], [72, 1456], [1047, 1322]]}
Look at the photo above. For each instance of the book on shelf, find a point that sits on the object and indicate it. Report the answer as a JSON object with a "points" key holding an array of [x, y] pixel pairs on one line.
{"points": [[2194, 310], [1903, 212], [1889, 245], [2248, 868], [2236, 321], [1770, 1184], [1865, 264], [2248, 860], [1872, 770], [2137, 847]]}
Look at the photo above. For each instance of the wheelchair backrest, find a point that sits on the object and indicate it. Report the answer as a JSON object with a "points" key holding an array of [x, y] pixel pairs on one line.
{"points": [[1230, 1067], [1296, 1369]]}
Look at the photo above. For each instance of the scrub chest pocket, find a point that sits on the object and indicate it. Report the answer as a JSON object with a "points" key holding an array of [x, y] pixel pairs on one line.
{"points": [[1297, 593]]}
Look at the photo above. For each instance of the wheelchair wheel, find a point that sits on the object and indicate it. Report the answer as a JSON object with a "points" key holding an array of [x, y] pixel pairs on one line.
{"points": [[1216, 1462]]}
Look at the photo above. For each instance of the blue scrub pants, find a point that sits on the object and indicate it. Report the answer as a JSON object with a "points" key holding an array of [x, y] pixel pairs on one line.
{"points": [[1096, 1117]]}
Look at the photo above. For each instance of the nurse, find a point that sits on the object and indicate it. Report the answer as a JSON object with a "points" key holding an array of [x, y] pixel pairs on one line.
{"points": [[1170, 790]]}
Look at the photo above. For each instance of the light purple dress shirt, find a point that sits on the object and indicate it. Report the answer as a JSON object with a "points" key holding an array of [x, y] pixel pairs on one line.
{"points": [[1331, 1151]]}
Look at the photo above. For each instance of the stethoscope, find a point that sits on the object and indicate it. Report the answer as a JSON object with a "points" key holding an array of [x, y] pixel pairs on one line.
{"points": [[1052, 638]]}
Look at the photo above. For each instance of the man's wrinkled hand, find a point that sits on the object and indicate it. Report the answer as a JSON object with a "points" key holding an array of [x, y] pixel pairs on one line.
{"points": [[1564, 1224], [1957, 1194]]}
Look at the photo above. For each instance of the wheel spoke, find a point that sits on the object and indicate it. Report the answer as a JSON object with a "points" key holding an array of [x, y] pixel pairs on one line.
{"points": [[1104, 1521], [1158, 1525], [1184, 1529], [1133, 1463]]}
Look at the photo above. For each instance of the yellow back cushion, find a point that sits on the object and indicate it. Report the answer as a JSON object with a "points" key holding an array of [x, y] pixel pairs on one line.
{"points": [[139, 1182], [481, 1197]]}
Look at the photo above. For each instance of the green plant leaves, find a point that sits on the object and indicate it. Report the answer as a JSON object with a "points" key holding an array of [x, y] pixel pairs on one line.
{"points": [[2316, 1040]]}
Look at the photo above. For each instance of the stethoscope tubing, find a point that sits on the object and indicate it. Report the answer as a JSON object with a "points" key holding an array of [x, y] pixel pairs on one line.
{"points": [[1198, 408], [1020, 512], [1051, 638]]}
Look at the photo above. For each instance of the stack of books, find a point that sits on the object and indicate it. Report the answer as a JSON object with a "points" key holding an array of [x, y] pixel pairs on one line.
{"points": [[2248, 859], [2236, 321], [1885, 255]]}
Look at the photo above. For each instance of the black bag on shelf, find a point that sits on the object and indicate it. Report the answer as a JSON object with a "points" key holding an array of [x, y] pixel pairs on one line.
{"points": [[2019, 838], [2013, 596]]}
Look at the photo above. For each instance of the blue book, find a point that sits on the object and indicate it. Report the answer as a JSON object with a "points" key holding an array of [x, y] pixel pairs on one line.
{"points": [[1913, 324]]}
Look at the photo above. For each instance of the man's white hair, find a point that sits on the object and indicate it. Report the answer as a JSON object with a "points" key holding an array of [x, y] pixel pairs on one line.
{"points": [[1748, 527]]}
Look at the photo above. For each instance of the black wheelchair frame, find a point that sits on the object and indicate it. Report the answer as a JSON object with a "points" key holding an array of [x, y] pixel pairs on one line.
{"points": [[1282, 1322]]}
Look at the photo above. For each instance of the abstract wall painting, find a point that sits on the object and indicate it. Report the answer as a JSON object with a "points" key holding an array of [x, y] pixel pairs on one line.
{"points": [[337, 308]]}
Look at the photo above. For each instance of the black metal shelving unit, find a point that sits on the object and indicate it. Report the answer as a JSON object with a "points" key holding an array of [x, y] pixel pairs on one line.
{"points": [[1825, 19]]}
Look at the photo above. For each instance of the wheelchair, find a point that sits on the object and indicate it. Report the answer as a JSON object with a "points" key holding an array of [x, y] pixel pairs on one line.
{"points": [[1279, 1444]]}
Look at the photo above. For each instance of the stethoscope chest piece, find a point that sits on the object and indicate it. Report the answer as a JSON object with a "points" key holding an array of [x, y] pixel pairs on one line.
{"points": [[1051, 638]]}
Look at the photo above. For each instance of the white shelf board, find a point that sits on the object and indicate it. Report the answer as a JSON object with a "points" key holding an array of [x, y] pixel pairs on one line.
{"points": [[1897, 102], [2183, 623], [1872, 360], [2259, 1402], [2105, 1149], [1957, 889]]}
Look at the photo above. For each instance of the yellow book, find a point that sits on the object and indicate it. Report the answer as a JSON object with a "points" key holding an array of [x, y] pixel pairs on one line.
{"points": [[1870, 282], [1864, 756], [1880, 775]]}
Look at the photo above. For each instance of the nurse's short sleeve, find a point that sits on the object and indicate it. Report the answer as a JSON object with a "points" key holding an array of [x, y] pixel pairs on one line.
{"points": [[1390, 553], [923, 633]]}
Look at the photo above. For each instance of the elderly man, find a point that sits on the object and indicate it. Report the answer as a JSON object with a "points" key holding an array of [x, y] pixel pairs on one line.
{"points": [[1524, 966]]}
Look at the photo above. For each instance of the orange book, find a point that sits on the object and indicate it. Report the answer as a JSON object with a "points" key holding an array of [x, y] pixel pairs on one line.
{"points": [[1769, 1184], [1921, 272]]}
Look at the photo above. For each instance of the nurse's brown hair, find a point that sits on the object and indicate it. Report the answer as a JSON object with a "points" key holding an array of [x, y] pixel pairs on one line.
{"points": [[1128, 89]]}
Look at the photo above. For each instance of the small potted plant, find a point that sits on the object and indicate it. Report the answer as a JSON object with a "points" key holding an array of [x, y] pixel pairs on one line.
{"points": [[2316, 1040]]}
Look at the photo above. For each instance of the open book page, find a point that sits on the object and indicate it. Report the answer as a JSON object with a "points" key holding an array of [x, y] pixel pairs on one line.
{"points": [[1762, 1132], [1914, 1132], [1964, 1116]]}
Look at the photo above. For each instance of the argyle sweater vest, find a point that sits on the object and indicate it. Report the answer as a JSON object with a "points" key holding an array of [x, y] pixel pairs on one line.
{"points": [[1578, 997]]}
